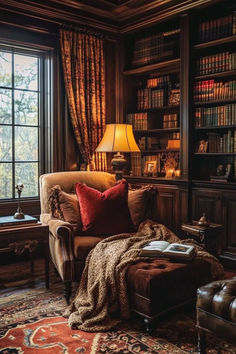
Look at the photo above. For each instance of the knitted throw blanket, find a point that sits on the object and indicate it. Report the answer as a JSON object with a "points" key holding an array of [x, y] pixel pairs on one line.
{"points": [[101, 300]]}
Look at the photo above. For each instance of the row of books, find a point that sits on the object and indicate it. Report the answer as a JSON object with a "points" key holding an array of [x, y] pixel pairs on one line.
{"points": [[139, 121], [216, 63], [170, 120], [217, 28], [214, 90], [215, 116], [225, 143], [151, 98], [160, 82], [155, 48]]}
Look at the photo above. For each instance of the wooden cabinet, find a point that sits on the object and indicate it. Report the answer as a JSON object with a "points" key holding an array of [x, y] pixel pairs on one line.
{"points": [[219, 206]]}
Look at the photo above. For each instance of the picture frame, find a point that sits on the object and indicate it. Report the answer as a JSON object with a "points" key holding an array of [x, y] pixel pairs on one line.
{"points": [[202, 146], [150, 168], [174, 98]]}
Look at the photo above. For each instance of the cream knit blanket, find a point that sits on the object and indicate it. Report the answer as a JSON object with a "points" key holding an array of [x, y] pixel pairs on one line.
{"points": [[101, 300]]}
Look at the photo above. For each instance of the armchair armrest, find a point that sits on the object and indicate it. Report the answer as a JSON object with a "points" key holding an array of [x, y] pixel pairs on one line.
{"points": [[58, 228], [61, 245]]}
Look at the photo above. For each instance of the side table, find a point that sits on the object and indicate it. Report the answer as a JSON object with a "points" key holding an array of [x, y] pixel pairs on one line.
{"points": [[207, 235], [26, 237]]}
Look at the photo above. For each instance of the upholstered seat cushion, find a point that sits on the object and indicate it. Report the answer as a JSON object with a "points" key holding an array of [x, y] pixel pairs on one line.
{"points": [[158, 284], [83, 245]]}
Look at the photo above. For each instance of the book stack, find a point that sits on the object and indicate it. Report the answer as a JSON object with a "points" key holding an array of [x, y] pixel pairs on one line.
{"points": [[136, 166], [170, 120], [215, 116], [156, 48], [216, 63], [213, 90], [217, 28]]}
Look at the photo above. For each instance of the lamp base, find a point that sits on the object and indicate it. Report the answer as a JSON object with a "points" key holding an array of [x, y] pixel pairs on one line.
{"points": [[118, 163]]}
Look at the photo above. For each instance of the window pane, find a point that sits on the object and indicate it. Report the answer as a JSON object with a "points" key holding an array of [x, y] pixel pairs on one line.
{"points": [[26, 107], [26, 72], [5, 69], [27, 174], [6, 180], [5, 143], [26, 144], [5, 106]]}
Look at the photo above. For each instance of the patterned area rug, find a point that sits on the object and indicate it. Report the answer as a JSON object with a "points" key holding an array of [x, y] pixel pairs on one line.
{"points": [[31, 321]]}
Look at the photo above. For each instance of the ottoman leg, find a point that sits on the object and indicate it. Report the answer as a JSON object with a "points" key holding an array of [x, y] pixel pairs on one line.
{"points": [[201, 342], [148, 325]]}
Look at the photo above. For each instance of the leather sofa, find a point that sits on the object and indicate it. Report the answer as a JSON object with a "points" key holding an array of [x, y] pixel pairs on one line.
{"points": [[216, 311], [69, 247]]}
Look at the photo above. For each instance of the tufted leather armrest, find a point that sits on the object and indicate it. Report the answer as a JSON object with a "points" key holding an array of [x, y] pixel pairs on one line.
{"points": [[219, 298]]}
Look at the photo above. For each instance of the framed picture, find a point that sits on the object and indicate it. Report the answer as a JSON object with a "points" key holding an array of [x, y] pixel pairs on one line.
{"points": [[150, 168], [202, 146], [174, 98]]}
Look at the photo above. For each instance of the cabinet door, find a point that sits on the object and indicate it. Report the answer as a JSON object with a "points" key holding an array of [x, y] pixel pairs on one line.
{"points": [[229, 222], [209, 202], [167, 206]]}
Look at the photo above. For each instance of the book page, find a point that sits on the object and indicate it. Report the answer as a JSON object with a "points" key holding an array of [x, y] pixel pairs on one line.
{"points": [[179, 249], [157, 246]]}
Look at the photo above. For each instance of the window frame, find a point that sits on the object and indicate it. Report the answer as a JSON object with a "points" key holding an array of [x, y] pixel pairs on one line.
{"points": [[45, 109]]}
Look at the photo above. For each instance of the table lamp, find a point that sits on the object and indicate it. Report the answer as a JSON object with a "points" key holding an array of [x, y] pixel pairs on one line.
{"points": [[118, 138]]}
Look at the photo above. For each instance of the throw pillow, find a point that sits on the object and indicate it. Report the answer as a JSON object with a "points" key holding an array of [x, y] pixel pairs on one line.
{"points": [[141, 203], [65, 206], [104, 213]]}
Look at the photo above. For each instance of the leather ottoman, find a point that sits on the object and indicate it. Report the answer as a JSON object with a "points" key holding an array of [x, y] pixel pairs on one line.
{"points": [[157, 286]]}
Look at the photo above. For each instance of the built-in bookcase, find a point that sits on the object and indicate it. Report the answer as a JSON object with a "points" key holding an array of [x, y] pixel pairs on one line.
{"points": [[214, 98], [152, 99]]}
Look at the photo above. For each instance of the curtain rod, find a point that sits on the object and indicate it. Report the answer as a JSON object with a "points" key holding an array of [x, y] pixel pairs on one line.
{"points": [[81, 29]]}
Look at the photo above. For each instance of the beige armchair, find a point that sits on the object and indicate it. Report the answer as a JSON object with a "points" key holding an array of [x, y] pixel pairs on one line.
{"points": [[67, 247]]}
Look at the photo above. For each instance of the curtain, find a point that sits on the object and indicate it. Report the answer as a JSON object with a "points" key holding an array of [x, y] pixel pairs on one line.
{"points": [[84, 76]]}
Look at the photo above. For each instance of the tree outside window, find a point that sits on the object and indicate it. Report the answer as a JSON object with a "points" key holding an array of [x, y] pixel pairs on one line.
{"points": [[19, 122]]}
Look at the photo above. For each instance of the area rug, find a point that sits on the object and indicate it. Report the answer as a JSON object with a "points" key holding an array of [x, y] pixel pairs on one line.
{"points": [[31, 321]]}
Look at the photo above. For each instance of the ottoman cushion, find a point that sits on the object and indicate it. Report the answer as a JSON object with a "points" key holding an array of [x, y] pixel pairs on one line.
{"points": [[156, 285]]}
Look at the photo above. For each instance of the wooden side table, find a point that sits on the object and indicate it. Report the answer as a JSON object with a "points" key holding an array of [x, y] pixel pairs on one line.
{"points": [[207, 235], [26, 237]]}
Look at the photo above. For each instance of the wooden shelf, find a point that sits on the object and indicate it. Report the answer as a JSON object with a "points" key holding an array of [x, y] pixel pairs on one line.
{"points": [[159, 150], [216, 127], [221, 74], [212, 102], [163, 108], [160, 130], [165, 66], [215, 153], [216, 42]]}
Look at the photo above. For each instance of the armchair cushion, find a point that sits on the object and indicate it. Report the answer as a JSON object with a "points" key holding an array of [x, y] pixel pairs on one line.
{"points": [[104, 213], [65, 206]]}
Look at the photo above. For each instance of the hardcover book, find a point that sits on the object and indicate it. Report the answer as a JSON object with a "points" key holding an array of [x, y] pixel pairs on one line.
{"points": [[10, 221], [170, 250]]}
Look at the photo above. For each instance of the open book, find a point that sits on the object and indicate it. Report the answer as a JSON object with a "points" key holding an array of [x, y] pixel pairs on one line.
{"points": [[166, 249]]}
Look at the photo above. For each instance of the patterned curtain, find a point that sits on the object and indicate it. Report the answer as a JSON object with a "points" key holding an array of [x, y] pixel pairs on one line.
{"points": [[83, 65]]}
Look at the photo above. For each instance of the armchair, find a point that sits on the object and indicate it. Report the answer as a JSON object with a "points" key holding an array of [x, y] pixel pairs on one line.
{"points": [[67, 247]]}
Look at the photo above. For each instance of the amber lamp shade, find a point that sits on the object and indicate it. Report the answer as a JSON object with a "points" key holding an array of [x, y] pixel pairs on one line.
{"points": [[118, 138]]}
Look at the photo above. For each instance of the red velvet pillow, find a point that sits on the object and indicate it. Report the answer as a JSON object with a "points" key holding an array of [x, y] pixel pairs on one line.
{"points": [[104, 213]]}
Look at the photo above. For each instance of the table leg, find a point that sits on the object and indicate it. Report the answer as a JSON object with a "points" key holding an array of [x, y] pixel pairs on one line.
{"points": [[31, 261]]}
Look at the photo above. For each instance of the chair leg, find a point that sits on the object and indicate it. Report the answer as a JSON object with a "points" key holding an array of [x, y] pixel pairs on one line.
{"points": [[201, 342], [67, 290]]}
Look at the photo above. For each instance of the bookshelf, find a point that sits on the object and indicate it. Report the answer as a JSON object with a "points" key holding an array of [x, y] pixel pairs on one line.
{"points": [[152, 86], [214, 98]]}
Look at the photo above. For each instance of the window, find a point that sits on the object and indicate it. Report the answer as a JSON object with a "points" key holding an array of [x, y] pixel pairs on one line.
{"points": [[21, 121]]}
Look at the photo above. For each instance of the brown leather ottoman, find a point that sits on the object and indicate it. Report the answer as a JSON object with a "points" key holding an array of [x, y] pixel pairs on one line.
{"points": [[159, 285]]}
